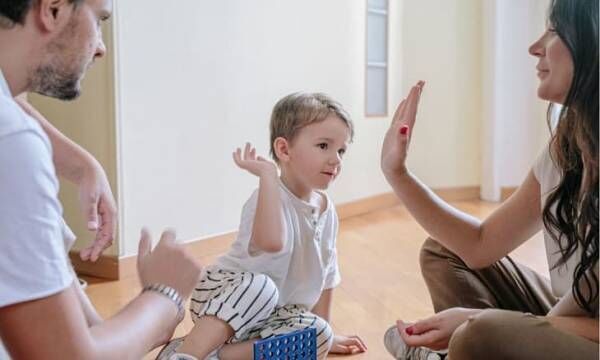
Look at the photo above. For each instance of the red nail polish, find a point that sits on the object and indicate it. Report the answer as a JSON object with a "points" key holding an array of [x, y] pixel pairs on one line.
{"points": [[404, 129], [409, 330]]}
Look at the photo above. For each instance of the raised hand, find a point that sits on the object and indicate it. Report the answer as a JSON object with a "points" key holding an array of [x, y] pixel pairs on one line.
{"points": [[397, 138], [256, 165]]}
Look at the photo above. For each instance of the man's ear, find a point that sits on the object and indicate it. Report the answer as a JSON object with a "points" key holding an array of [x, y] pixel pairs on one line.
{"points": [[282, 149], [53, 14]]}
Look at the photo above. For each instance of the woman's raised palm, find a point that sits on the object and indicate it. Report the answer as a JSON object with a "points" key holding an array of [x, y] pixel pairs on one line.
{"points": [[397, 138]]}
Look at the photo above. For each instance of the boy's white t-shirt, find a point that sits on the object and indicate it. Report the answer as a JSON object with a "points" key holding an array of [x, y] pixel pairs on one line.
{"points": [[34, 238], [306, 265]]}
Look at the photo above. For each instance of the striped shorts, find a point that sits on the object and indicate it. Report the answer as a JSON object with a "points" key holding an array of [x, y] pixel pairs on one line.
{"points": [[248, 303]]}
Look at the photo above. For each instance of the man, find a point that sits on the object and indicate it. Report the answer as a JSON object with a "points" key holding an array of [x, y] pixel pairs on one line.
{"points": [[45, 47]]}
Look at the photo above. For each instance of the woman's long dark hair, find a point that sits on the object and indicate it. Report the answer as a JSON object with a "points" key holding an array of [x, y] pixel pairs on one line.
{"points": [[574, 150]]}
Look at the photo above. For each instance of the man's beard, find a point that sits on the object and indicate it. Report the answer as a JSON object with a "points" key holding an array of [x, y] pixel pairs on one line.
{"points": [[55, 82], [59, 76]]}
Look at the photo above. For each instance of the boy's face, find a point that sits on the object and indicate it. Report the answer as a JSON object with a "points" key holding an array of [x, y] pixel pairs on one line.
{"points": [[315, 155]]}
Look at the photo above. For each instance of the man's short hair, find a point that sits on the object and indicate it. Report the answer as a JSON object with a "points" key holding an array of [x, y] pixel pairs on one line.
{"points": [[13, 12]]}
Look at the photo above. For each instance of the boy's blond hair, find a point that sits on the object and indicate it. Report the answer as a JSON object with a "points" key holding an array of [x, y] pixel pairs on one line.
{"points": [[300, 109]]}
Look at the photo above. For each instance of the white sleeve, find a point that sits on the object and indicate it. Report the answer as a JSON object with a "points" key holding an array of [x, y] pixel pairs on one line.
{"points": [[333, 276], [538, 165], [33, 260], [544, 169], [247, 224], [567, 305]]}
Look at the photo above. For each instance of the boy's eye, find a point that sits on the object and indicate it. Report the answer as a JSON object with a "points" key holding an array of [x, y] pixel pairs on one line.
{"points": [[341, 151], [322, 146]]}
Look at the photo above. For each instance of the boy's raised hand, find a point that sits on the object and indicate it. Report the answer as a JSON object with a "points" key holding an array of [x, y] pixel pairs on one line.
{"points": [[256, 165], [397, 138]]}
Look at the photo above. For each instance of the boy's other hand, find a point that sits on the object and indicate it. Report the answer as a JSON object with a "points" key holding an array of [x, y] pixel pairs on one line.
{"points": [[347, 345]]}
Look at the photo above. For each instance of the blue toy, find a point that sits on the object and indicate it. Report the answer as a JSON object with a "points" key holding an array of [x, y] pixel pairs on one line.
{"points": [[297, 345]]}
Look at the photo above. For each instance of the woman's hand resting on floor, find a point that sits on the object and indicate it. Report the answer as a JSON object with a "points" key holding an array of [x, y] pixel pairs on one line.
{"points": [[435, 331]]}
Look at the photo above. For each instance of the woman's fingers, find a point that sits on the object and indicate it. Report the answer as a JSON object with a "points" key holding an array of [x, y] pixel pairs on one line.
{"points": [[413, 103], [423, 326], [399, 111], [406, 112], [412, 338]]}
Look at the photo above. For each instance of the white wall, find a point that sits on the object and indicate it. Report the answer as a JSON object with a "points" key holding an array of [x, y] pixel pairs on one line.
{"points": [[442, 45], [514, 126], [197, 79]]}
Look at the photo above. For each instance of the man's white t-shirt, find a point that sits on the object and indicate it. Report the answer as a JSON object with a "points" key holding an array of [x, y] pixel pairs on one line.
{"points": [[307, 264], [34, 239]]}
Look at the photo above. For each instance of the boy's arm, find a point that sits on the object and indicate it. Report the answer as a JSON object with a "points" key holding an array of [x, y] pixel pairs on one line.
{"points": [[267, 229], [323, 307]]}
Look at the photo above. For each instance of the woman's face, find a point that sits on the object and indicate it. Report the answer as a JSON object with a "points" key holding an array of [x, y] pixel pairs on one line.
{"points": [[555, 66]]}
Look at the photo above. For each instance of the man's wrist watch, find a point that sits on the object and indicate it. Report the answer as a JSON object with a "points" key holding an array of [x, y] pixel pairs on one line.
{"points": [[170, 293]]}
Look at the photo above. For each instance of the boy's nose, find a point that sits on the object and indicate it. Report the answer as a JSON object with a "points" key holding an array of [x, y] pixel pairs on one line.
{"points": [[335, 160]]}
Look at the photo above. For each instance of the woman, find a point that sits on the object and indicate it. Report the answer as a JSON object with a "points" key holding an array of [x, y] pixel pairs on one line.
{"points": [[487, 305]]}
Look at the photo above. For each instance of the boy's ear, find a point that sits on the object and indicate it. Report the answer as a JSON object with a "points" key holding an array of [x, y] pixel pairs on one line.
{"points": [[52, 14], [281, 148]]}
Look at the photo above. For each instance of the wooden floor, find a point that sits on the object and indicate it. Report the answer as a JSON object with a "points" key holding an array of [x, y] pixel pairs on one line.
{"points": [[381, 280]]}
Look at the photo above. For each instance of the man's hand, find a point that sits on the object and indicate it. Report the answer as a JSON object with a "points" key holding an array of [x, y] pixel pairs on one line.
{"points": [[98, 205]]}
